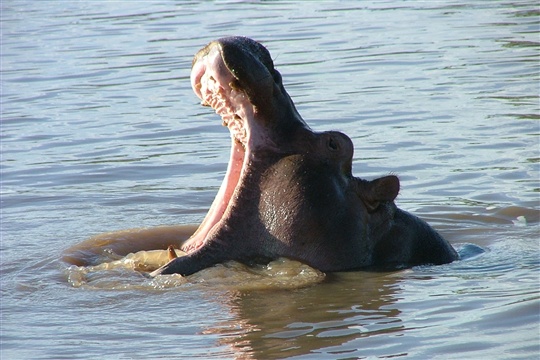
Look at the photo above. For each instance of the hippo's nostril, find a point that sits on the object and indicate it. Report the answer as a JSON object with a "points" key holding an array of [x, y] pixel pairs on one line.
{"points": [[332, 144], [235, 85]]}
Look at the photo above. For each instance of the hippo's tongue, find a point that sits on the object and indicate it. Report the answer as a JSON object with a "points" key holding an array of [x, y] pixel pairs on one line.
{"points": [[213, 84]]}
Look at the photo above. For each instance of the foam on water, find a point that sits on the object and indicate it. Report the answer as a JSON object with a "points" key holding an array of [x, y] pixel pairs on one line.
{"points": [[131, 272]]}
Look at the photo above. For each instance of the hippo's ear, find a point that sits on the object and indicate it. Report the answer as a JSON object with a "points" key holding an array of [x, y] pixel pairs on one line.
{"points": [[377, 191]]}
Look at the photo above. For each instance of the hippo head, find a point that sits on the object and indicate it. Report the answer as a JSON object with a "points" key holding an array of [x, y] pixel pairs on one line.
{"points": [[288, 191]]}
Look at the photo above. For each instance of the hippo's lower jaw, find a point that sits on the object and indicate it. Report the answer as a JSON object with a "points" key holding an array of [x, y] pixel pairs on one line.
{"points": [[288, 191]]}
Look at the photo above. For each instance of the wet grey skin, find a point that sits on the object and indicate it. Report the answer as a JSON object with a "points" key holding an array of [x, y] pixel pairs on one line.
{"points": [[289, 191]]}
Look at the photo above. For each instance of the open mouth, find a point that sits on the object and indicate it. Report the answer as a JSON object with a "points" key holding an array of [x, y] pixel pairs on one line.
{"points": [[216, 86]]}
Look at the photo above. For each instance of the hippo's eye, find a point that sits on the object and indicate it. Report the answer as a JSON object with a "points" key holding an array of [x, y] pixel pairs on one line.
{"points": [[332, 144]]}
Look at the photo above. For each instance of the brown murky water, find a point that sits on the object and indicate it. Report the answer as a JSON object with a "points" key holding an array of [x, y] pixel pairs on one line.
{"points": [[107, 154]]}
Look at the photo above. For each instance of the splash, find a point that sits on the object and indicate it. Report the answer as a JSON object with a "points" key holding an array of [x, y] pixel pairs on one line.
{"points": [[101, 262], [130, 272]]}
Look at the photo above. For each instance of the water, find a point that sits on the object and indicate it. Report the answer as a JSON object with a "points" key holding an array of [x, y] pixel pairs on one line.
{"points": [[101, 132]]}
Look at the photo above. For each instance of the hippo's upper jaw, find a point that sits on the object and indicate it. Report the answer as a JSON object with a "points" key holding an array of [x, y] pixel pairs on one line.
{"points": [[289, 191], [236, 77]]}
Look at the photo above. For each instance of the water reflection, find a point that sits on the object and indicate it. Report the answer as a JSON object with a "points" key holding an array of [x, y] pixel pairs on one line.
{"points": [[325, 317]]}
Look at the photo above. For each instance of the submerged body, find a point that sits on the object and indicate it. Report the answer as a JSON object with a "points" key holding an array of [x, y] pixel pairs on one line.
{"points": [[289, 191]]}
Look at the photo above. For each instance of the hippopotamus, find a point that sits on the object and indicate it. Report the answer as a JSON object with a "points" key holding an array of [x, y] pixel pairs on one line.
{"points": [[289, 191]]}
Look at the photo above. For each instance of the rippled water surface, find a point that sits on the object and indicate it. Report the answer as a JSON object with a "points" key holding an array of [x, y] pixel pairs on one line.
{"points": [[101, 133]]}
